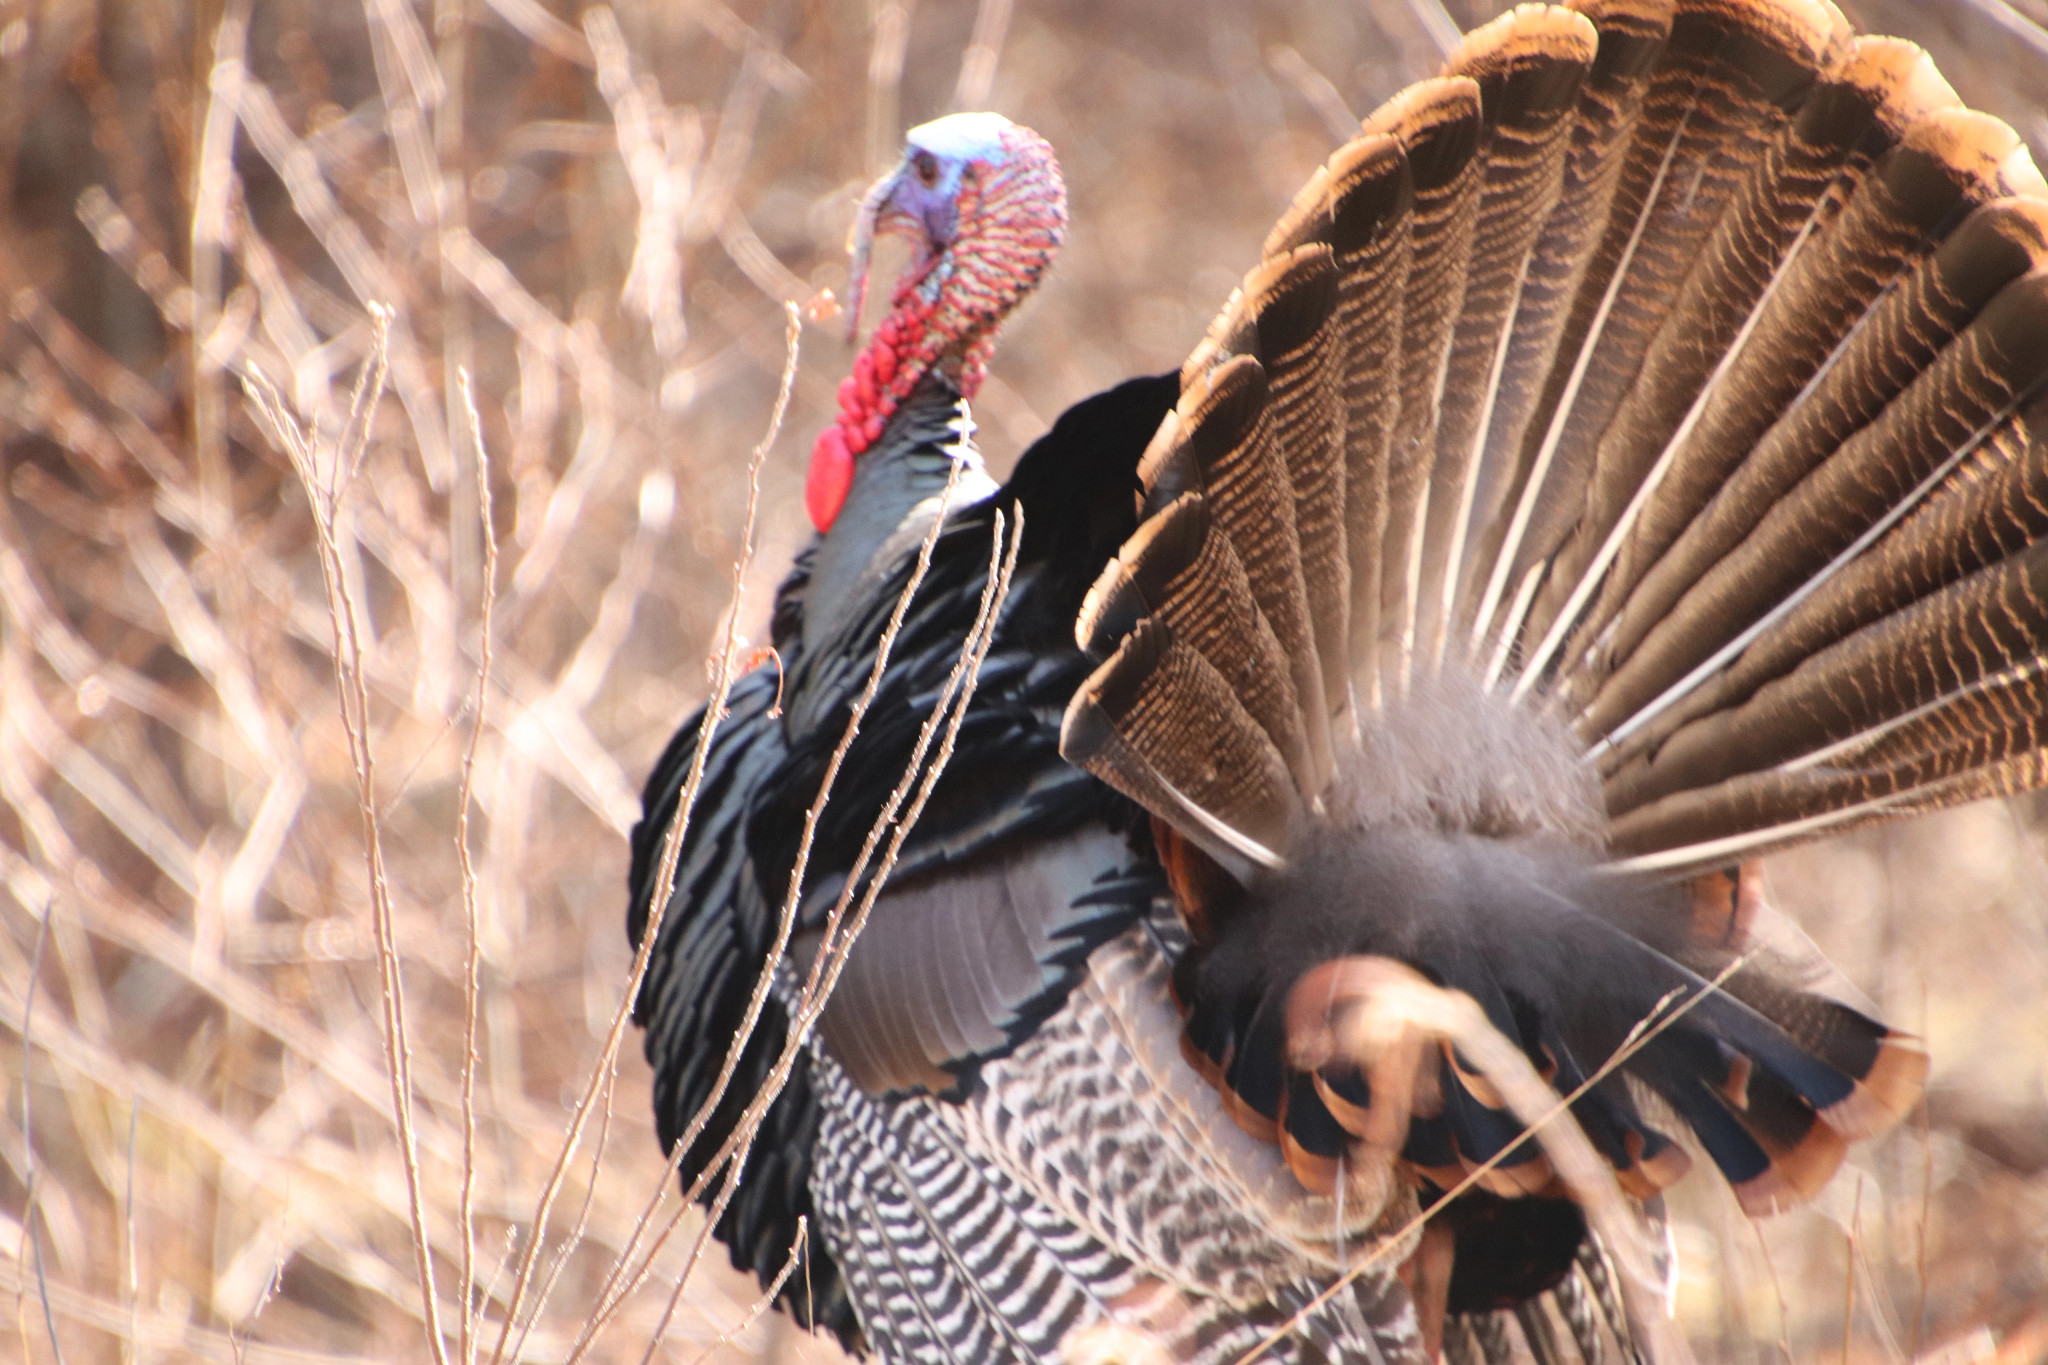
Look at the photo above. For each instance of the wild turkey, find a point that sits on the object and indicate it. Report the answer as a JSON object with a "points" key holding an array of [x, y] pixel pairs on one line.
{"points": [[1626, 458]]}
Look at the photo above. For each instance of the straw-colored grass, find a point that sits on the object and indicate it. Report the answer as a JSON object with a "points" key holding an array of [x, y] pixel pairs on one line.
{"points": [[298, 295]]}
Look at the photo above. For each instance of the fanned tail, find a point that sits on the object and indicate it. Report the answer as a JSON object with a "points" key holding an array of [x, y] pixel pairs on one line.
{"points": [[1673, 377], [1676, 368]]}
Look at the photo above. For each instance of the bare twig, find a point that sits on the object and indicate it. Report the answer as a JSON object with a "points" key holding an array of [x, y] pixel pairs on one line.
{"points": [[1662, 1016], [158, 1332], [209, 227], [1316, 89], [1926, 1135], [832, 955], [966, 674], [2013, 26], [1849, 1271], [473, 957], [619, 1285], [354, 698], [1778, 1290], [534, 20], [30, 1175], [368, 275], [671, 849], [130, 1289], [238, 1341], [799, 1248], [578, 1228], [1436, 21], [984, 51], [885, 81], [661, 150]]}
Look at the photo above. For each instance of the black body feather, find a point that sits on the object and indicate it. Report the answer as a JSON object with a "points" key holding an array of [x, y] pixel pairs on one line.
{"points": [[1076, 487]]}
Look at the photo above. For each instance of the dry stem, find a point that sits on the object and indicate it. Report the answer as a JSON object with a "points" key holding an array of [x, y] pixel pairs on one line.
{"points": [[1592, 1180], [353, 696], [473, 955]]}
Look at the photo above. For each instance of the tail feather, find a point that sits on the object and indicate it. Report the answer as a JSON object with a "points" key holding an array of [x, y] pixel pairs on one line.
{"points": [[1729, 75], [1290, 302], [1228, 448], [1886, 1069], [1632, 34], [1667, 382], [1992, 509], [1994, 247], [1949, 687], [1368, 217], [1717, 317], [1870, 482], [1770, 1145], [1530, 65], [1160, 722], [1182, 569], [1440, 125], [1482, 1132]]}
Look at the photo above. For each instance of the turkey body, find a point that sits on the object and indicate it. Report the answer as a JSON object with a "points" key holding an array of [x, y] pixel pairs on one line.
{"points": [[915, 1120], [1625, 459]]}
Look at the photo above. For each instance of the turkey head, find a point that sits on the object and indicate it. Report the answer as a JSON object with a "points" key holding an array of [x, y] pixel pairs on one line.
{"points": [[984, 206]]}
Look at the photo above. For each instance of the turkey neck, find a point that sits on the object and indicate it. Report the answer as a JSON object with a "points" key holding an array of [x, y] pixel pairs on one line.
{"points": [[897, 486]]}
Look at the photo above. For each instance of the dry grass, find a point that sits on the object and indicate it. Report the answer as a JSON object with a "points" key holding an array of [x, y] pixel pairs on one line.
{"points": [[599, 217]]}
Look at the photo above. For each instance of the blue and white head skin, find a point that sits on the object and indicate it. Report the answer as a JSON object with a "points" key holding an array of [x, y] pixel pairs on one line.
{"points": [[920, 199], [982, 202]]}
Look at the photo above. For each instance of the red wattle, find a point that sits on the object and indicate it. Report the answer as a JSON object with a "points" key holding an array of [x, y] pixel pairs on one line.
{"points": [[829, 479]]}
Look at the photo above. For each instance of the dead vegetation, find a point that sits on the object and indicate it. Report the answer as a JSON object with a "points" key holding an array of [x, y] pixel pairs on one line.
{"points": [[303, 298]]}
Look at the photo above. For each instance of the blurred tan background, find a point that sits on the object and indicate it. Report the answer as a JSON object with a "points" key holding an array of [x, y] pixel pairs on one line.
{"points": [[599, 214]]}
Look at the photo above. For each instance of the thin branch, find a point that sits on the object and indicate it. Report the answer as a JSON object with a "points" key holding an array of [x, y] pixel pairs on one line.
{"points": [[1436, 21], [885, 81], [615, 1291], [1926, 1127], [162, 1334], [29, 1173], [130, 1289], [367, 273], [664, 885], [984, 50], [1778, 1291], [353, 695], [799, 1248], [1645, 1030], [465, 796], [832, 955], [1849, 1272], [238, 1341], [543, 29], [661, 150], [963, 679], [576, 1229], [966, 675], [1315, 89], [209, 227]]}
